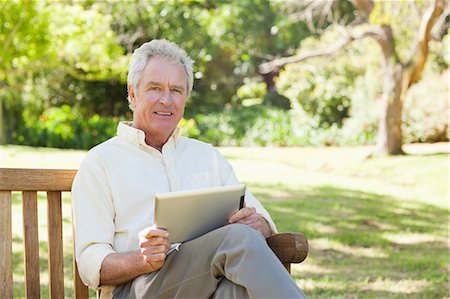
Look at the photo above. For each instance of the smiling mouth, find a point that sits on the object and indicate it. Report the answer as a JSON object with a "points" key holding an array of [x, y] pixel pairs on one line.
{"points": [[163, 113]]}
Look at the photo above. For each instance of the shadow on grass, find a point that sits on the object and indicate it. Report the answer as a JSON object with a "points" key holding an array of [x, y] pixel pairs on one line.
{"points": [[361, 244], [437, 154]]}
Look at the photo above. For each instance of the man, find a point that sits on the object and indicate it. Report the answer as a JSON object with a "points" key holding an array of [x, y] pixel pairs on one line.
{"points": [[118, 249]]}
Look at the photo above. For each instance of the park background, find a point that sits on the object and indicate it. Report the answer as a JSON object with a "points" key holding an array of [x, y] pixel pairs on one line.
{"points": [[295, 94]]}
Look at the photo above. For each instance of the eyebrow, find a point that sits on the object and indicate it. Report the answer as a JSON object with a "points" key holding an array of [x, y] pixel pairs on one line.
{"points": [[156, 83]]}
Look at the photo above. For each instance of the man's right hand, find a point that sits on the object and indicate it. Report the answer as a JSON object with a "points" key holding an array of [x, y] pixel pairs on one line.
{"points": [[154, 244]]}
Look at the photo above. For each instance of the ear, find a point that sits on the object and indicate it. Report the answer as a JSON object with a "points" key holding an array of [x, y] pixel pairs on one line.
{"points": [[131, 95]]}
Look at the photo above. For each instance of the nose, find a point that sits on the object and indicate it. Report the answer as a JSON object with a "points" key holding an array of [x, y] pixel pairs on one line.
{"points": [[165, 98]]}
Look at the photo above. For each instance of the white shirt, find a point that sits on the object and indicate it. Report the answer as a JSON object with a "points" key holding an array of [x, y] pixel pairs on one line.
{"points": [[113, 191]]}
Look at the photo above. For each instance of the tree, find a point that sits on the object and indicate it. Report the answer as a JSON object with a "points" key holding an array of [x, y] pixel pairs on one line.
{"points": [[400, 71], [23, 36], [44, 44]]}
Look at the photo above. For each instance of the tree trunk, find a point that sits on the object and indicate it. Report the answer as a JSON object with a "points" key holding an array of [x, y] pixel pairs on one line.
{"points": [[390, 137]]}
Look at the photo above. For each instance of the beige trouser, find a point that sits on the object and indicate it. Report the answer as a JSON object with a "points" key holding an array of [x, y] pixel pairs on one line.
{"points": [[230, 262]]}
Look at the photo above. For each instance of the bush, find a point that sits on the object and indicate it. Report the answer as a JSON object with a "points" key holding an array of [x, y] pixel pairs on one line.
{"points": [[270, 127], [323, 86], [425, 115], [261, 126], [362, 125], [63, 127]]}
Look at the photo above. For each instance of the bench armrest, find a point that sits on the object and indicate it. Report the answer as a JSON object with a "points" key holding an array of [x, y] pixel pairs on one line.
{"points": [[289, 247]]}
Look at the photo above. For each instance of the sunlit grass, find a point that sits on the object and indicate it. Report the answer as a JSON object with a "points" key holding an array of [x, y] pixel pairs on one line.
{"points": [[377, 228]]}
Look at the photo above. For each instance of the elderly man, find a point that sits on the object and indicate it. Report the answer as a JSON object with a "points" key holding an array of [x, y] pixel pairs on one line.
{"points": [[118, 249]]}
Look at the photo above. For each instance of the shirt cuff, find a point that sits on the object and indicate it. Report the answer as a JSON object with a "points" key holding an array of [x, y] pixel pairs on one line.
{"points": [[90, 262]]}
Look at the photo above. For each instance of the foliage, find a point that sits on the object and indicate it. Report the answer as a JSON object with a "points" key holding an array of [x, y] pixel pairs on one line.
{"points": [[63, 127], [253, 125], [361, 127], [250, 93], [426, 115], [404, 17], [440, 53], [24, 38], [323, 89], [426, 118], [46, 45], [54, 56], [76, 53], [87, 54], [259, 30], [188, 127], [260, 125], [275, 99]]}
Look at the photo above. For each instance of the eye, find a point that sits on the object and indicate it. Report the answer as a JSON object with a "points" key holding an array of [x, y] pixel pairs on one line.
{"points": [[177, 90], [155, 88]]}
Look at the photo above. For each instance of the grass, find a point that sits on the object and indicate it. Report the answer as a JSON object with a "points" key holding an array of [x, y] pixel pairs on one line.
{"points": [[377, 228]]}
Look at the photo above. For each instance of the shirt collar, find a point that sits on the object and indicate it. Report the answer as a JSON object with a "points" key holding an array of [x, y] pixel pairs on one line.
{"points": [[137, 136]]}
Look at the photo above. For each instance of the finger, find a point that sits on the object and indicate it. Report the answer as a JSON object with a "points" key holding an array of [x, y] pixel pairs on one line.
{"points": [[157, 232], [151, 250], [148, 243], [260, 224], [158, 257], [242, 213], [152, 231], [157, 241], [253, 222]]}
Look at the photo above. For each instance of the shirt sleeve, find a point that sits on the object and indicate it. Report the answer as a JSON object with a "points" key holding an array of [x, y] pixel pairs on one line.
{"points": [[228, 177], [93, 218]]}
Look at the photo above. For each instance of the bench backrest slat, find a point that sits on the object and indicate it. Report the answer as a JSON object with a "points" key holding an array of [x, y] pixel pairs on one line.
{"points": [[55, 245], [81, 291], [6, 288], [31, 244]]}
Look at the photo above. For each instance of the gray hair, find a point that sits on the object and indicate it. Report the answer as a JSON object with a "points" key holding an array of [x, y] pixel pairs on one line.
{"points": [[157, 47]]}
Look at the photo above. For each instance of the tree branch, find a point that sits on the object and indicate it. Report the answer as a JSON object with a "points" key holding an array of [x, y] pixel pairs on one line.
{"points": [[374, 31], [364, 6], [416, 66]]}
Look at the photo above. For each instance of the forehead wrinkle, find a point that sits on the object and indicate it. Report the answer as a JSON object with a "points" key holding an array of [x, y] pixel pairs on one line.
{"points": [[151, 82]]}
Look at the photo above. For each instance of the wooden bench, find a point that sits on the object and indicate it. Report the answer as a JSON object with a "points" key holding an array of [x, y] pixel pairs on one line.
{"points": [[289, 247]]}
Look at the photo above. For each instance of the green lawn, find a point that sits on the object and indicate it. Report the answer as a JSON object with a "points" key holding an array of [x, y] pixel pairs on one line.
{"points": [[377, 228]]}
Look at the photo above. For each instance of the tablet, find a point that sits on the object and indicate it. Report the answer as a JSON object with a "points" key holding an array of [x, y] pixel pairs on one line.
{"points": [[189, 214]]}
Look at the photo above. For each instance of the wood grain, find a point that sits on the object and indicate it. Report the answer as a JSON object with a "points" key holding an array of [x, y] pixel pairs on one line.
{"points": [[289, 247], [55, 245], [6, 278], [31, 244], [21, 179], [81, 290]]}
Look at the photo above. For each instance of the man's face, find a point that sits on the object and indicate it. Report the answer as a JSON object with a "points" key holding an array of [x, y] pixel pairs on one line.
{"points": [[161, 97]]}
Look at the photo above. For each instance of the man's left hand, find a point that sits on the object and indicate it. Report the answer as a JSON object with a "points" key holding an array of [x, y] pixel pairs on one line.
{"points": [[248, 216]]}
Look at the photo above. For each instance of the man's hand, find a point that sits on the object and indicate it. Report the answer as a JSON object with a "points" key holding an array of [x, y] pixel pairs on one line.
{"points": [[154, 244], [248, 216]]}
